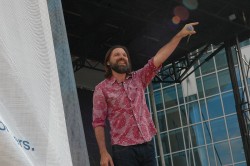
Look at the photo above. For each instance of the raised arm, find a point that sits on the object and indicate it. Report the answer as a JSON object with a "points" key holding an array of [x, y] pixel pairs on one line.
{"points": [[168, 49]]}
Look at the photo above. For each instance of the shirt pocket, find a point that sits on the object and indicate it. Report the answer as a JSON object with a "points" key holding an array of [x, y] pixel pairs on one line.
{"points": [[133, 92]]}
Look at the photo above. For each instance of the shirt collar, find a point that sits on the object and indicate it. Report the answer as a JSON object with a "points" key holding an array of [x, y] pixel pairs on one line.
{"points": [[113, 80]]}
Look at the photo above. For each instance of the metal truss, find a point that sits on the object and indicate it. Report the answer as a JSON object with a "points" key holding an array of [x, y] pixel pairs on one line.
{"points": [[79, 63], [241, 99], [179, 70], [174, 72]]}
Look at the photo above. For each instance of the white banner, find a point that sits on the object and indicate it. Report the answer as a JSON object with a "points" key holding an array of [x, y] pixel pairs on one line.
{"points": [[189, 86], [32, 122]]}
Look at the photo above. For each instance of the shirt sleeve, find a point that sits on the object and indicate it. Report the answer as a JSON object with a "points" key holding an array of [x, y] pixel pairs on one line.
{"points": [[148, 72], [99, 108]]}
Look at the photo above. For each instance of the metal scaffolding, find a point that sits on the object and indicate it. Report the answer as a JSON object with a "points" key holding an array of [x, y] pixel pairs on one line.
{"points": [[241, 102]]}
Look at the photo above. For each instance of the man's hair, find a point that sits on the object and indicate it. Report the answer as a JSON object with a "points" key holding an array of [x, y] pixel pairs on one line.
{"points": [[108, 71]]}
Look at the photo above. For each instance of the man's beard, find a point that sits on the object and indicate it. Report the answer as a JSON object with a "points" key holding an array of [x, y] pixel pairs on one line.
{"points": [[121, 69]]}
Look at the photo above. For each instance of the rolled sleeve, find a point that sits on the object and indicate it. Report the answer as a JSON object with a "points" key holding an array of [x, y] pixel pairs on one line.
{"points": [[152, 67], [148, 72], [99, 108]]}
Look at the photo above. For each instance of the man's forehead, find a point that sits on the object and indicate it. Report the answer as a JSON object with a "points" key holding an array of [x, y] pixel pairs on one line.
{"points": [[117, 50]]}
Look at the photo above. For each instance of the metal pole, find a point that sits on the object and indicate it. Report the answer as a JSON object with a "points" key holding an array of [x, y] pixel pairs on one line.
{"points": [[153, 107], [242, 70], [239, 110], [76, 135]]}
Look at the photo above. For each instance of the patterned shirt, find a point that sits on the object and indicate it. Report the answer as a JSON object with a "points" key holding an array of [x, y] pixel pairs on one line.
{"points": [[124, 105]]}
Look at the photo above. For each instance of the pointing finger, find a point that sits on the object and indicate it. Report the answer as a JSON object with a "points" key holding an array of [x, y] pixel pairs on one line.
{"points": [[194, 23]]}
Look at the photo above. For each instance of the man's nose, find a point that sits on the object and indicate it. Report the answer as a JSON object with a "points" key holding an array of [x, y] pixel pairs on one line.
{"points": [[122, 59]]}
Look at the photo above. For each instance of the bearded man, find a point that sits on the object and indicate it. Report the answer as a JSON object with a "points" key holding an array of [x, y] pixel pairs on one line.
{"points": [[120, 99]]}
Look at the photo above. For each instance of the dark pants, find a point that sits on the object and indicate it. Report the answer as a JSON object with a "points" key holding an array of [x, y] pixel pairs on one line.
{"points": [[134, 155]]}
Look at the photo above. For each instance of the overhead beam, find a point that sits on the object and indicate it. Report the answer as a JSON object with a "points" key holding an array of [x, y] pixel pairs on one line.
{"points": [[80, 63]]}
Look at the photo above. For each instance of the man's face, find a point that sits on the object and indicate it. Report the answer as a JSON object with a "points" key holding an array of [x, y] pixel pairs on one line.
{"points": [[118, 61]]}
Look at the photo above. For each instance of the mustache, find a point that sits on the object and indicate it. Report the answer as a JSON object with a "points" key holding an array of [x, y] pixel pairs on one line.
{"points": [[121, 59]]}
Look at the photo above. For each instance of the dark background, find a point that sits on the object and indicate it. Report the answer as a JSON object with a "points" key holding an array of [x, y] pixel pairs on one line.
{"points": [[146, 25]]}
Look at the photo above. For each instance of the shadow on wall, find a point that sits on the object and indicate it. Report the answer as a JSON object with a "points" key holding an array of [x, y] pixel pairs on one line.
{"points": [[86, 104]]}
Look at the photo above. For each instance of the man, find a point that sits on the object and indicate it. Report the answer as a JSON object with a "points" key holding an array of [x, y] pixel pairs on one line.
{"points": [[120, 98]]}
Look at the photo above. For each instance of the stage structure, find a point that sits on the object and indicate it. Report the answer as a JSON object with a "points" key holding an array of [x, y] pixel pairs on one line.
{"points": [[144, 26], [241, 100], [177, 70]]}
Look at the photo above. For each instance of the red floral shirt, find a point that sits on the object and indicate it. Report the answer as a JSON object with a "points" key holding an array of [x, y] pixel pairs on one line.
{"points": [[125, 107]]}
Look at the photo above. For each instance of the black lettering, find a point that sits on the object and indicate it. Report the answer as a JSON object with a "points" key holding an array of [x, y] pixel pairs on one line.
{"points": [[2, 126], [26, 145], [18, 141]]}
